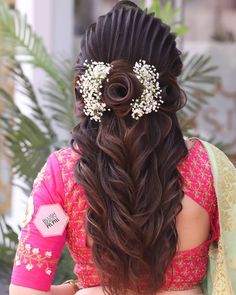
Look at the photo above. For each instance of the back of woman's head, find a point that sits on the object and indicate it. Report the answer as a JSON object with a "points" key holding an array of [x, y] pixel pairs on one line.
{"points": [[128, 167]]}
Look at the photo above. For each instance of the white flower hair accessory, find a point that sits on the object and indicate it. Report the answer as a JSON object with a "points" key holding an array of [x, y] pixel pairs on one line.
{"points": [[151, 98], [90, 85]]}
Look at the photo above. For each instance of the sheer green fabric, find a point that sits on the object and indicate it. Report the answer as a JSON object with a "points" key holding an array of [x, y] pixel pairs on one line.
{"points": [[221, 276]]}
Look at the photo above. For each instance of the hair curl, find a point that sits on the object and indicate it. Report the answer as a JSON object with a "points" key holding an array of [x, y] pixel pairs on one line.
{"points": [[127, 167]]}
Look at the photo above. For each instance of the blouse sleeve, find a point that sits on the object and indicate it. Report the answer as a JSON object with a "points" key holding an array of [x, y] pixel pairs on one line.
{"points": [[43, 235]]}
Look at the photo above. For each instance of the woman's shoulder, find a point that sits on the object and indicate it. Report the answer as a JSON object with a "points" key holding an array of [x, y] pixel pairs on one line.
{"points": [[209, 155], [196, 152], [202, 146], [196, 166], [65, 154], [67, 158], [214, 152]]}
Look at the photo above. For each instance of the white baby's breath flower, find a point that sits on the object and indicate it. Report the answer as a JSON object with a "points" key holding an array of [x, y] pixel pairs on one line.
{"points": [[150, 99], [90, 85]]}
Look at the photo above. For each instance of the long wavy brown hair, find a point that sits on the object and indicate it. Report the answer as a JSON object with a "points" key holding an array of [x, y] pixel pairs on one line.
{"points": [[127, 167]]}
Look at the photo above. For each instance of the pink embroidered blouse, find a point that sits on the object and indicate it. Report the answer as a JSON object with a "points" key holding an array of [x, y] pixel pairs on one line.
{"points": [[37, 255]]}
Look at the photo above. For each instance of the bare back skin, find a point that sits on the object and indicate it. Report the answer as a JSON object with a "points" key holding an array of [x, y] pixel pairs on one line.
{"points": [[193, 227]]}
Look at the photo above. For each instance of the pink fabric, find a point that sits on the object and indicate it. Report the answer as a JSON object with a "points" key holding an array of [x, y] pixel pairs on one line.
{"points": [[55, 185], [190, 266], [37, 256]]}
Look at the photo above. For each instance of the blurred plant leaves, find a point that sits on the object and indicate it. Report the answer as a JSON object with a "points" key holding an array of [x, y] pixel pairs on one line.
{"points": [[198, 79], [30, 138], [168, 15], [20, 41], [8, 244]]}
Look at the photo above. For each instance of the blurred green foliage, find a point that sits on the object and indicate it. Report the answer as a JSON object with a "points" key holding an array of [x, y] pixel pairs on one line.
{"points": [[9, 239], [168, 14]]}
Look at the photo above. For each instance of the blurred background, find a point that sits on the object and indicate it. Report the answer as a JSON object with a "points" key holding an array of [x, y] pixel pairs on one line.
{"points": [[39, 42]]}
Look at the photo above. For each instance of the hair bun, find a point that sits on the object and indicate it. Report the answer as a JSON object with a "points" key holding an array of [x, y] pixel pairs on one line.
{"points": [[121, 88], [173, 96]]}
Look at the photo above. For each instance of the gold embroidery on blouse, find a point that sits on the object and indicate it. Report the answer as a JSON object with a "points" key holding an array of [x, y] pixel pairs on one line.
{"points": [[42, 175], [29, 211], [31, 256]]}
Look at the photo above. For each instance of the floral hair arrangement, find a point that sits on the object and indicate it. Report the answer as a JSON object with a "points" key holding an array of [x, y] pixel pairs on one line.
{"points": [[90, 85]]}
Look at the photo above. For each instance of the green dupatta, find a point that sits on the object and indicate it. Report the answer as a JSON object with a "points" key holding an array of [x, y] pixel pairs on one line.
{"points": [[221, 276]]}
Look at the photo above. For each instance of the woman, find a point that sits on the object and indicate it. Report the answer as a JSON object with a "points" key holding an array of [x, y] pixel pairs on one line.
{"points": [[135, 202]]}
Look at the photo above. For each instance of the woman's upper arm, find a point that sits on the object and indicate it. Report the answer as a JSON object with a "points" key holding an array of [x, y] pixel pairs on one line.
{"points": [[43, 235], [64, 289], [18, 290]]}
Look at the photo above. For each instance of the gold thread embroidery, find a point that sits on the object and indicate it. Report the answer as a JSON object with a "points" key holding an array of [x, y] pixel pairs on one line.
{"points": [[42, 175], [29, 211], [225, 184], [220, 281], [31, 256]]}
